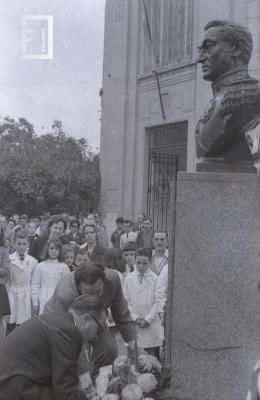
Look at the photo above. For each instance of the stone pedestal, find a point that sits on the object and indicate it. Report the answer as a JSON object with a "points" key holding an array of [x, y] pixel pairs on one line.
{"points": [[216, 306]]}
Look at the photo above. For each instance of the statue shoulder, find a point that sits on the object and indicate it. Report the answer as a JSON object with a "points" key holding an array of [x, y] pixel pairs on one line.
{"points": [[241, 96]]}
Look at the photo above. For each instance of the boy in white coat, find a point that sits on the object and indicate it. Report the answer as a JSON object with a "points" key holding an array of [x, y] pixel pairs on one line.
{"points": [[139, 290], [22, 269]]}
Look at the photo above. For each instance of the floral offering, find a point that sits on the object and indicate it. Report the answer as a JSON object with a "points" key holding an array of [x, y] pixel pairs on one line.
{"points": [[126, 383]]}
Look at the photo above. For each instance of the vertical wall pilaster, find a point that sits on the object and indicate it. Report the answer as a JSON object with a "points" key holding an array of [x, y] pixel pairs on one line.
{"points": [[253, 24]]}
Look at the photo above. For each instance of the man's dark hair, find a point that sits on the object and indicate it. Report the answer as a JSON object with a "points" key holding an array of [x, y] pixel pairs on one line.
{"points": [[144, 252], [158, 231], [127, 221], [148, 219], [55, 219], [86, 303], [88, 273], [235, 33], [90, 225], [120, 220], [21, 234], [129, 246], [74, 221], [24, 216]]}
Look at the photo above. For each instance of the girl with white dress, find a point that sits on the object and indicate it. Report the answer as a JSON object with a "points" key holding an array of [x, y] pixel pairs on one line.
{"points": [[48, 274]]}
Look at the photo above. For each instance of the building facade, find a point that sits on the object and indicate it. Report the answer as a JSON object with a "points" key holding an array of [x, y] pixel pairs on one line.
{"points": [[153, 95]]}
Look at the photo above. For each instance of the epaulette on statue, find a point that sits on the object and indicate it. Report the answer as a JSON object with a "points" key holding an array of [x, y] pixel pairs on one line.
{"points": [[242, 96]]}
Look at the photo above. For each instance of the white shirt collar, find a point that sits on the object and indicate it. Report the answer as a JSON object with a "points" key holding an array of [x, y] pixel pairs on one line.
{"points": [[143, 275]]}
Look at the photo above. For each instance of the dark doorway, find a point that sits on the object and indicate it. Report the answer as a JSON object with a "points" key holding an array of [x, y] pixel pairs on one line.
{"points": [[167, 155]]}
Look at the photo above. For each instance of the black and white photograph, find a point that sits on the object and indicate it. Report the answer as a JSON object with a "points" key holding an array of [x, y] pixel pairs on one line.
{"points": [[130, 200]]}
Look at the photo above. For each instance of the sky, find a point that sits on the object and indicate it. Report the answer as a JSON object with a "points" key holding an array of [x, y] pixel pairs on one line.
{"points": [[65, 87]]}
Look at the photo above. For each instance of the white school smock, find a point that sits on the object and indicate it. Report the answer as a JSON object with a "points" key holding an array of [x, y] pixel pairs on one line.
{"points": [[141, 303], [19, 287]]}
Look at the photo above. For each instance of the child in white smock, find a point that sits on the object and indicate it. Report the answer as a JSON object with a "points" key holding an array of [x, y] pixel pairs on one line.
{"points": [[22, 270], [139, 290], [48, 274]]}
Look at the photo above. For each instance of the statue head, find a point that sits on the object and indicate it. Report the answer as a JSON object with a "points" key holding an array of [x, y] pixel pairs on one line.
{"points": [[225, 46]]}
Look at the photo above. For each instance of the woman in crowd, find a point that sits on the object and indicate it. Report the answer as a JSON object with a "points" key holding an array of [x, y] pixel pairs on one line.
{"points": [[75, 235], [93, 250], [56, 228]]}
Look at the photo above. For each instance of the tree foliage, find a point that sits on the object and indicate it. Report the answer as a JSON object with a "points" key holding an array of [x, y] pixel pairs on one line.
{"points": [[52, 172]]}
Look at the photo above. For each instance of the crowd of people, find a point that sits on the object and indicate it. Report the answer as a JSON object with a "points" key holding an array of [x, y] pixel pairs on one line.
{"points": [[67, 291], [47, 262]]}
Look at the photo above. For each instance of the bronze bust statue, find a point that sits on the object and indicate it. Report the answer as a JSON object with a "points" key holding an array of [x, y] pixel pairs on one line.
{"points": [[227, 134]]}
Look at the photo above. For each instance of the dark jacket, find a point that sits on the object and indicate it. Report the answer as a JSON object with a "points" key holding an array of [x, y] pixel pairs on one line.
{"points": [[66, 291], [79, 238], [37, 248], [145, 239], [115, 238], [137, 227], [97, 254], [44, 349], [31, 239]]}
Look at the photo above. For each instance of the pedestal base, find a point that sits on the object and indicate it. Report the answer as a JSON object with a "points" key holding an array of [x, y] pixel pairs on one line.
{"points": [[217, 166], [216, 317]]}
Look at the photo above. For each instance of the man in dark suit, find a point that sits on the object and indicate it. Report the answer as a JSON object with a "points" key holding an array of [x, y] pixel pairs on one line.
{"points": [[31, 231], [138, 223], [145, 235], [115, 237], [104, 283], [94, 251], [39, 359]]}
